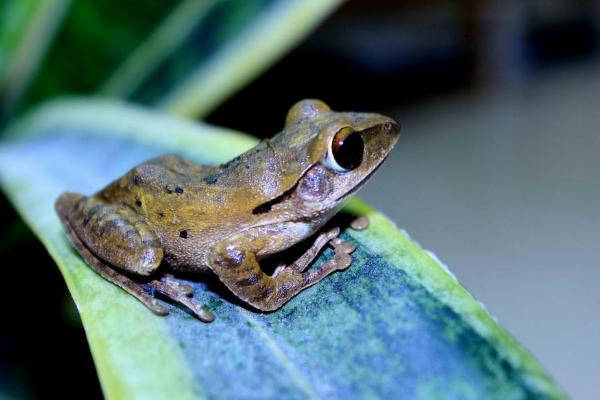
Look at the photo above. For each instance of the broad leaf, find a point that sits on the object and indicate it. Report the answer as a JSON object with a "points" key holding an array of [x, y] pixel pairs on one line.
{"points": [[27, 27], [396, 324], [233, 52], [187, 56], [94, 38]]}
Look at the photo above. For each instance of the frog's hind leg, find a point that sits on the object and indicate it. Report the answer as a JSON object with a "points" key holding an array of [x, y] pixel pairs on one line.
{"points": [[111, 275], [109, 236], [113, 232]]}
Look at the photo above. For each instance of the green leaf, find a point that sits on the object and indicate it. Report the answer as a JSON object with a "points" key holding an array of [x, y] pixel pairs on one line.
{"points": [[27, 27], [185, 56], [206, 50], [395, 324], [158, 46], [95, 37], [236, 42]]}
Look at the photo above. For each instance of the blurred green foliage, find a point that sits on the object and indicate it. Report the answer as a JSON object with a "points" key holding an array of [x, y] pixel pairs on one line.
{"points": [[96, 36], [186, 55], [14, 19]]}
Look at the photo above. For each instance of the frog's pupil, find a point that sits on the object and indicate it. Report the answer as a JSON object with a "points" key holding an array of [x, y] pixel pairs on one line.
{"points": [[348, 150]]}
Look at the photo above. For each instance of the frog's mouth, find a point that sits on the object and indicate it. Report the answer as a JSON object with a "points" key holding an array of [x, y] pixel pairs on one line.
{"points": [[364, 180]]}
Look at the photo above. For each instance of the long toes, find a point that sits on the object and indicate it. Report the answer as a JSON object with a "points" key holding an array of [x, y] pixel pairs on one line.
{"points": [[187, 289], [341, 246], [184, 288], [158, 308], [333, 232], [339, 262], [167, 288], [200, 310], [342, 261]]}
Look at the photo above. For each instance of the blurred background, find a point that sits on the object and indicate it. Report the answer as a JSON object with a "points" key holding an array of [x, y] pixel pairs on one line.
{"points": [[496, 172]]}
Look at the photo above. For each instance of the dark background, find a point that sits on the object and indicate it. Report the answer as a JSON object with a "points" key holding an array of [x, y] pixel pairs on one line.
{"points": [[497, 172]]}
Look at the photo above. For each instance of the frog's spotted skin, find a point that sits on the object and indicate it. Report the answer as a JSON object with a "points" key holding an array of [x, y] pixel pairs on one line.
{"points": [[171, 214]]}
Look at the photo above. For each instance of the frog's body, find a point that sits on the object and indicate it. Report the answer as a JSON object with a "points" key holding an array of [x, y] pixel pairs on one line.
{"points": [[225, 219]]}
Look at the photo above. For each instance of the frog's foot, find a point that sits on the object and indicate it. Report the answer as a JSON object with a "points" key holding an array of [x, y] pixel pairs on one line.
{"points": [[240, 271], [341, 248], [302, 263], [341, 260], [181, 293]]}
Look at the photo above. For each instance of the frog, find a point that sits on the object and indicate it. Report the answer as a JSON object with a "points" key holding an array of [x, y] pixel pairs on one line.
{"points": [[169, 215]]}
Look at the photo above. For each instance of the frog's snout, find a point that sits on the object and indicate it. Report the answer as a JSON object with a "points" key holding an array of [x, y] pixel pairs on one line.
{"points": [[391, 128]]}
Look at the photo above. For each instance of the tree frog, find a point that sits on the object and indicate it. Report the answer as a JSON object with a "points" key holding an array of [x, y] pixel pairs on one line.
{"points": [[171, 215]]}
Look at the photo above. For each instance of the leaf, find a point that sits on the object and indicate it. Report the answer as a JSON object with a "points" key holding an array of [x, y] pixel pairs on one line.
{"points": [[159, 45], [85, 52], [211, 65], [395, 324], [192, 56], [27, 27]]}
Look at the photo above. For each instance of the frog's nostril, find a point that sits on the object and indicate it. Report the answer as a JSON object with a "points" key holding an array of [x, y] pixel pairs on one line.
{"points": [[390, 127]]}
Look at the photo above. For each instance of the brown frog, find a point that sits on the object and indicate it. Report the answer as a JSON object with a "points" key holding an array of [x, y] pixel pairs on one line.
{"points": [[225, 219]]}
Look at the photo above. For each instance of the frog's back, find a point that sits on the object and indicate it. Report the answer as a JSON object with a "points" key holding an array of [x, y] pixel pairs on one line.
{"points": [[179, 199], [158, 177]]}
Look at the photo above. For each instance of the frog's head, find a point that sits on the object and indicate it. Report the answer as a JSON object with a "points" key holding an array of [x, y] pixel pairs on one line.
{"points": [[329, 155]]}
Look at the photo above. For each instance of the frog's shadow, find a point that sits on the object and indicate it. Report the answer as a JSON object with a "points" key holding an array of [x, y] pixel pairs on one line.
{"points": [[211, 282]]}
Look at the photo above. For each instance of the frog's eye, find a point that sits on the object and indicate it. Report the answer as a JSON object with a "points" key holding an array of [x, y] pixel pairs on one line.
{"points": [[345, 151]]}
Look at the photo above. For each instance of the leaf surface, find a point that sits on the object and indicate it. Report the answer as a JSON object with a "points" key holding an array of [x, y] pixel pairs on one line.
{"points": [[396, 324]]}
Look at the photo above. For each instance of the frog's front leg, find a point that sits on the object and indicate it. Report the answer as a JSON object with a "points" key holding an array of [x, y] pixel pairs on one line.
{"points": [[237, 267]]}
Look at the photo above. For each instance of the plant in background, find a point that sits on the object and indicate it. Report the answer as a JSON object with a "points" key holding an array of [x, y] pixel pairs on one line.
{"points": [[396, 324]]}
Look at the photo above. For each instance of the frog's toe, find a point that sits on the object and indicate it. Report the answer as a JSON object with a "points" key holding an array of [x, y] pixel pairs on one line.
{"points": [[202, 312], [188, 290], [184, 288], [181, 293], [360, 223], [342, 250], [158, 309], [340, 246], [342, 261]]}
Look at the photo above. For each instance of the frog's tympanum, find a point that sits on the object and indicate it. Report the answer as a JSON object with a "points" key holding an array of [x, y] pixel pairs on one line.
{"points": [[169, 214]]}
